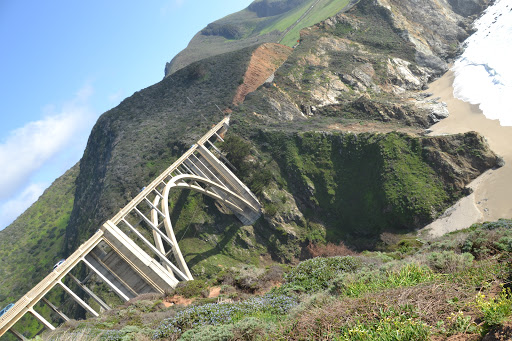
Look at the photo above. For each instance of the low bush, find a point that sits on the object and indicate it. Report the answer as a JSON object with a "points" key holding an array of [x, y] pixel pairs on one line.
{"points": [[395, 328], [251, 328], [354, 285], [495, 310], [459, 323], [316, 274], [209, 333], [217, 314], [329, 250], [449, 261], [191, 289], [489, 238], [247, 329]]}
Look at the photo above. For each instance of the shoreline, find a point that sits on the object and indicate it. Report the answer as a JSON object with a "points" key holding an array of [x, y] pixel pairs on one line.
{"points": [[492, 191]]}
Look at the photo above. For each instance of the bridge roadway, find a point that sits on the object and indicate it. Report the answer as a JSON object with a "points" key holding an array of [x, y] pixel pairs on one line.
{"points": [[121, 262]]}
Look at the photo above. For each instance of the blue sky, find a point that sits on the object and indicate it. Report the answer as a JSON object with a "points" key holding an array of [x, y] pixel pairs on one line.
{"points": [[64, 63]]}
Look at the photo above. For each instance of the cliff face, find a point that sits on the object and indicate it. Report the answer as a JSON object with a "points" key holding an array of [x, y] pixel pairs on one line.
{"points": [[371, 63], [132, 143]]}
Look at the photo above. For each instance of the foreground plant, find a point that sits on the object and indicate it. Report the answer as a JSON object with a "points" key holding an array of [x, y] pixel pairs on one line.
{"points": [[217, 314], [495, 310]]}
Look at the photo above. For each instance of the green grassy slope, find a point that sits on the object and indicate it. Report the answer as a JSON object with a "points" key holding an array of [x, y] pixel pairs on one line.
{"points": [[322, 10], [353, 187], [249, 26], [34, 242]]}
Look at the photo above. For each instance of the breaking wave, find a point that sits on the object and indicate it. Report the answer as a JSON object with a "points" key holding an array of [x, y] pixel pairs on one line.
{"points": [[483, 73]]}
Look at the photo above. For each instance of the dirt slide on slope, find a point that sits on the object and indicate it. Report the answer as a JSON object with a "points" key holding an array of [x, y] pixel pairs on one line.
{"points": [[265, 60]]}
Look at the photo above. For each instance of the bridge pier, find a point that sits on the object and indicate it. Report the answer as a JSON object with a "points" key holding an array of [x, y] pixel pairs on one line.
{"points": [[55, 309], [17, 334], [78, 299], [41, 319]]}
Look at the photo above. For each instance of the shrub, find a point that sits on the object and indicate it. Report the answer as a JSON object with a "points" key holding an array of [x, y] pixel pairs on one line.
{"points": [[489, 238], [449, 261], [354, 285], [329, 250], [495, 310], [501, 223], [216, 314], [394, 328], [458, 323], [317, 273], [190, 289], [247, 329], [126, 334], [208, 333], [250, 328]]}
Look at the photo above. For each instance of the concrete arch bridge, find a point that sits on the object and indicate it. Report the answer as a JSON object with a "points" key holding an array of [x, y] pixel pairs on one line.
{"points": [[119, 261]]}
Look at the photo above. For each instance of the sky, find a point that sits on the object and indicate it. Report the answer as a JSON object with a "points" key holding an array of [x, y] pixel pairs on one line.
{"points": [[64, 63]]}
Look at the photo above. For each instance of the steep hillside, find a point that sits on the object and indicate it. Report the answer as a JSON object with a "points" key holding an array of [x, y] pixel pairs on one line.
{"points": [[134, 142], [275, 21], [356, 67], [365, 64], [34, 242]]}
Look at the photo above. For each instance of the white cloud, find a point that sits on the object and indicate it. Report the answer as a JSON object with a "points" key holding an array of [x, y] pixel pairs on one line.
{"points": [[28, 148], [12, 208]]}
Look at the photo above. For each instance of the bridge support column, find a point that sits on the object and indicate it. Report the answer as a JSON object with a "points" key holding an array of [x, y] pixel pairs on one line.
{"points": [[41, 319], [187, 276], [158, 239], [78, 299], [90, 293], [103, 278], [55, 309], [17, 334]]}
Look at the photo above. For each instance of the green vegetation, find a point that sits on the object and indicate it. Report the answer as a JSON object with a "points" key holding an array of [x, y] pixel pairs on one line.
{"points": [[368, 296], [262, 21], [345, 176], [495, 310], [323, 193], [322, 10], [31, 245], [375, 30]]}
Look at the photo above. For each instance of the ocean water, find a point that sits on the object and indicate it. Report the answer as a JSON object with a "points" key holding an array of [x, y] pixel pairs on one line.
{"points": [[483, 73]]}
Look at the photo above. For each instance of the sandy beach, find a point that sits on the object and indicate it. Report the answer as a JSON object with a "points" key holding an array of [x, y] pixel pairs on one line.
{"points": [[492, 191]]}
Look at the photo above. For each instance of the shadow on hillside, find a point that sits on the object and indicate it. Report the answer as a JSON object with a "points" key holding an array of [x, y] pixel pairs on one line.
{"points": [[227, 237]]}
